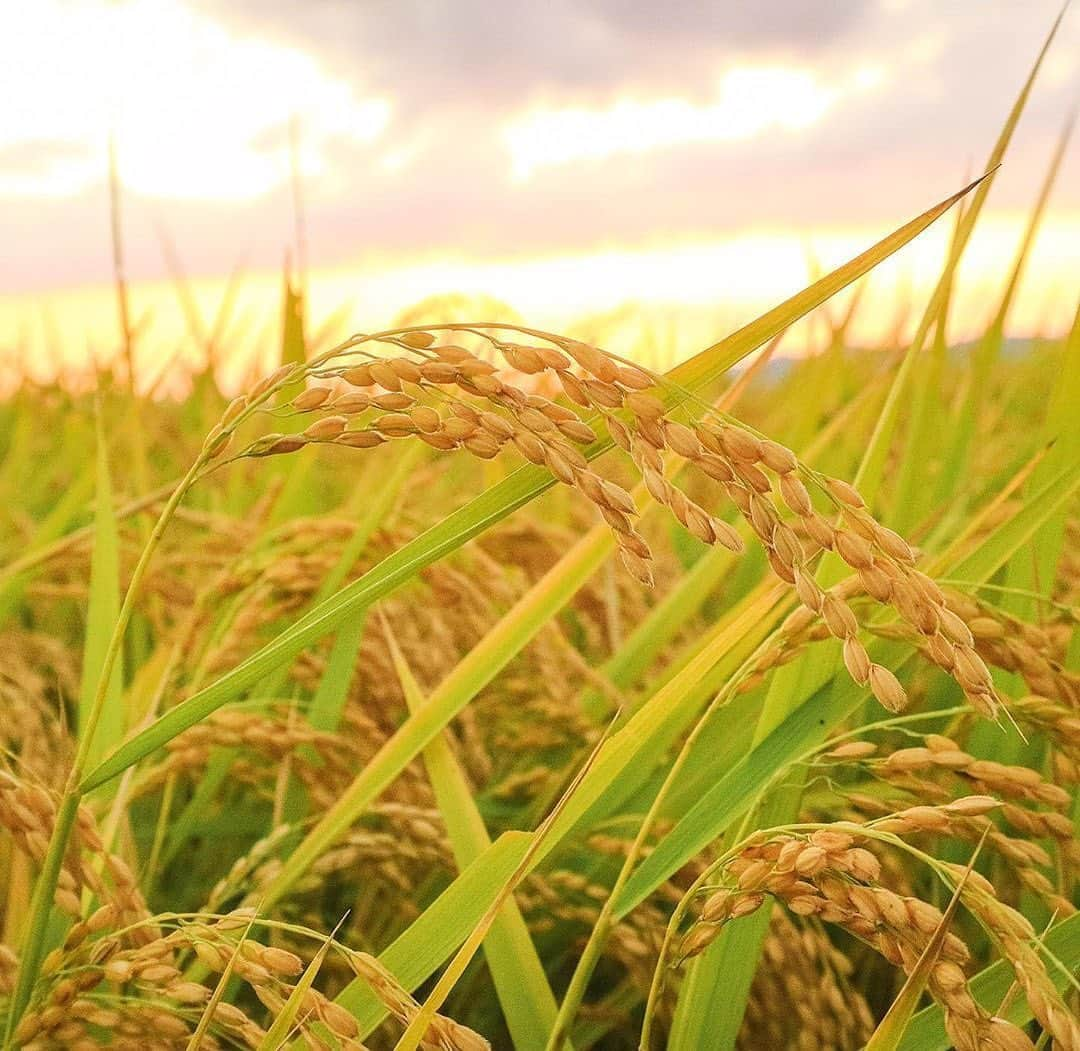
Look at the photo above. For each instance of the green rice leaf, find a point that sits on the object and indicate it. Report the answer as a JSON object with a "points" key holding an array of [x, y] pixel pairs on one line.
{"points": [[103, 608], [516, 970]]}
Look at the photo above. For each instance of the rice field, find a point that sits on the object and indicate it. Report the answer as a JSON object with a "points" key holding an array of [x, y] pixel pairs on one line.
{"points": [[464, 685]]}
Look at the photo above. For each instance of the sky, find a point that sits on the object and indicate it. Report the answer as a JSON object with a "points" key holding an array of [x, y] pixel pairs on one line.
{"points": [[568, 158]]}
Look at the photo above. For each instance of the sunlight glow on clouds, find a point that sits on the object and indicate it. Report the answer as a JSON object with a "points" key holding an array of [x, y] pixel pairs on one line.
{"points": [[197, 111], [704, 288], [574, 169], [749, 100]]}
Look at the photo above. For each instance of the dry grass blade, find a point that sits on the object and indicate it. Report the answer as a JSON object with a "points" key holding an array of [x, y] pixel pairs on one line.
{"points": [[889, 1033], [279, 1033], [418, 1028], [217, 996]]}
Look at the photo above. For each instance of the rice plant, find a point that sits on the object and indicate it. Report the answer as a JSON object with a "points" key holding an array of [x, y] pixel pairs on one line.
{"points": [[466, 685]]}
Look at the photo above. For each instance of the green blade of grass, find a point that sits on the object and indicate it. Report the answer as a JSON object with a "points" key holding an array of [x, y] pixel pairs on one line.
{"points": [[870, 470], [103, 606], [912, 496], [1061, 431], [328, 704], [417, 1029], [723, 985], [1018, 530], [988, 349], [520, 982]]}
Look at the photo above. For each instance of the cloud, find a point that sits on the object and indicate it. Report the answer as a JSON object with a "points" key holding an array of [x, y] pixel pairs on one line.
{"points": [[451, 49], [628, 116], [749, 101], [34, 166], [616, 82], [194, 108]]}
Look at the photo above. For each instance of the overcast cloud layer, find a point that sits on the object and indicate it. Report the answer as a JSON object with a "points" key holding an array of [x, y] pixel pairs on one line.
{"points": [[523, 128]]}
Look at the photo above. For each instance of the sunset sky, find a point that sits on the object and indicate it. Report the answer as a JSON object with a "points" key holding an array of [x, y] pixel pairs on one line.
{"points": [[567, 157]]}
